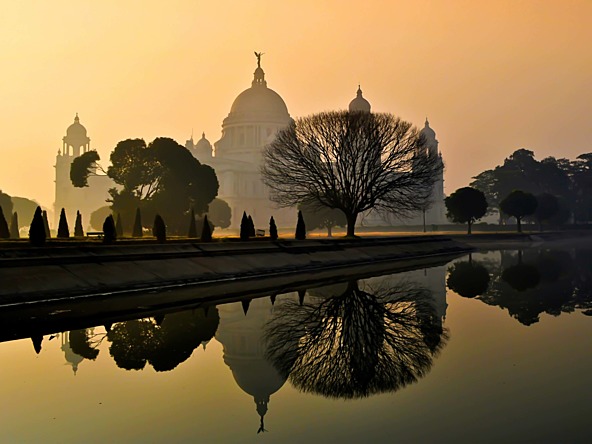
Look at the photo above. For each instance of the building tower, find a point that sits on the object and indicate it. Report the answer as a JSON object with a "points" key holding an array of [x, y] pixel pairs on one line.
{"points": [[437, 212]]}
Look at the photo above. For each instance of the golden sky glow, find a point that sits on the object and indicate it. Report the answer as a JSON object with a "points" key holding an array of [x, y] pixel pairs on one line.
{"points": [[491, 76]]}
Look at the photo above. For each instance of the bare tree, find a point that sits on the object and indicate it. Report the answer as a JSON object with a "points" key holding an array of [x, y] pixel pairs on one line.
{"points": [[352, 161]]}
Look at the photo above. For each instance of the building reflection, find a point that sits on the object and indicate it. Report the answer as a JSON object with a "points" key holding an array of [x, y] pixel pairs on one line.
{"points": [[241, 335]]}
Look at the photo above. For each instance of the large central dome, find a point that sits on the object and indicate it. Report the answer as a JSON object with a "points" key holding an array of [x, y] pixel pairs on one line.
{"points": [[259, 100]]}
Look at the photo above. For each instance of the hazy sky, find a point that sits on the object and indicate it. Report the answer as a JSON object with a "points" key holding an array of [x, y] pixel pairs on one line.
{"points": [[491, 76]]}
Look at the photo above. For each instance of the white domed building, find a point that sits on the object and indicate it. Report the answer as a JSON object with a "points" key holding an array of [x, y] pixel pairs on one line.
{"points": [[255, 117], [86, 200]]}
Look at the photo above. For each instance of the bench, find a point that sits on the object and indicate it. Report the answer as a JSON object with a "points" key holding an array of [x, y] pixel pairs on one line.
{"points": [[260, 233], [97, 234]]}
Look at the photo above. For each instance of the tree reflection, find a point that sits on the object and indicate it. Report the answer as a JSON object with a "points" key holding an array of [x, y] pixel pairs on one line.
{"points": [[165, 345], [80, 343], [358, 343], [468, 279]]}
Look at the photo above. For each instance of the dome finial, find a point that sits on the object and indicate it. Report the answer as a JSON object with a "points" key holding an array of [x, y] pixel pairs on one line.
{"points": [[259, 74], [258, 55], [427, 122], [76, 119]]}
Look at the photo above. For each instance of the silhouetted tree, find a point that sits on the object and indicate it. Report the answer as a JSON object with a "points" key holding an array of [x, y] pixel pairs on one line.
{"points": [[84, 166], [322, 217], [251, 226], [137, 230], [206, 232], [37, 229], [273, 233], [352, 161], [192, 232], [219, 213], [46, 225], [521, 276], [63, 230], [547, 207], [159, 229], [118, 226], [519, 204], [25, 209], [80, 344], [466, 205], [4, 231], [300, 228], [468, 279], [98, 216], [78, 231], [109, 231], [245, 228], [14, 226]]}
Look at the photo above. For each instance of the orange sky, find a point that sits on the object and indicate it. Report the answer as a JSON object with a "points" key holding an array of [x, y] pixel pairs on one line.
{"points": [[491, 76]]}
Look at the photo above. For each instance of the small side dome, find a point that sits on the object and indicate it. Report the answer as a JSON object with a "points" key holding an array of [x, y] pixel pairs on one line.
{"points": [[359, 103], [428, 132], [203, 148], [76, 130]]}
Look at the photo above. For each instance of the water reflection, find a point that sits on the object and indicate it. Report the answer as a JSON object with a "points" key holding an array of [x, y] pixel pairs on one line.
{"points": [[164, 343], [528, 282], [356, 340]]}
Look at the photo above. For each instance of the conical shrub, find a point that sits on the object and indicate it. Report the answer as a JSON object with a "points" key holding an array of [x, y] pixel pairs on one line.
{"points": [[244, 227], [78, 231], [273, 234], [159, 229], [251, 227], [4, 231], [300, 227], [63, 230], [14, 226], [109, 231], [192, 232], [37, 229], [46, 225], [206, 231], [137, 231]]}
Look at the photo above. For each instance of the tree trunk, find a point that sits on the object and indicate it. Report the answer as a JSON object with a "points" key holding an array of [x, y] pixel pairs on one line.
{"points": [[469, 227], [329, 233], [351, 224], [519, 225], [424, 226]]}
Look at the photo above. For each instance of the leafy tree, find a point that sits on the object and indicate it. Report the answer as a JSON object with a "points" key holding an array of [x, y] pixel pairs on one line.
{"points": [[63, 230], [80, 344], [245, 229], [466, 205], [322, 217], [192, 232], [4, 231], [206, 232], [159, 229], [519, 204], [273, 233], [137, 230], [46, 225], [521, 276], [14, 226], [547, 207], [78, 231], [25, 208], [219, 213], [37, 233], [351, 161], [109, 231], [300, 228], [6, 203], [468, 279], [84, 166], [118, 226]]}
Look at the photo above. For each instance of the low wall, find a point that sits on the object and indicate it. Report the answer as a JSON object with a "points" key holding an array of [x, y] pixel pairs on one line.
{"points": [[31, 274]]}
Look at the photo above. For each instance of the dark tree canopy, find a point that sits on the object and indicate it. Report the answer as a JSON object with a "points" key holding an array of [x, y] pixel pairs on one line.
{"points": [[521, 277], [519, 204], [466, 205], [82, 167], [547, 207], [6, 203], [25, 208], [352, 161], [219, 213]]}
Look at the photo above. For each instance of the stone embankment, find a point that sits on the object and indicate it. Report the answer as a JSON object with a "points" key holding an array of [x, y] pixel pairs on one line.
{"points": [[29, 275]]}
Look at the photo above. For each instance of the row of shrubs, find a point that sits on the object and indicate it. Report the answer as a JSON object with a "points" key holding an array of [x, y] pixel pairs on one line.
{"points": [[39, 228]]}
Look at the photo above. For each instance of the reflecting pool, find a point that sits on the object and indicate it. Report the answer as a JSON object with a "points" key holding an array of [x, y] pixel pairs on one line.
{"points": [[491, 347]]}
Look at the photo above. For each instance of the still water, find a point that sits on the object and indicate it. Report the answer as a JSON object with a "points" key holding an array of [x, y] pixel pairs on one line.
{"points": [[495, 347]]}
